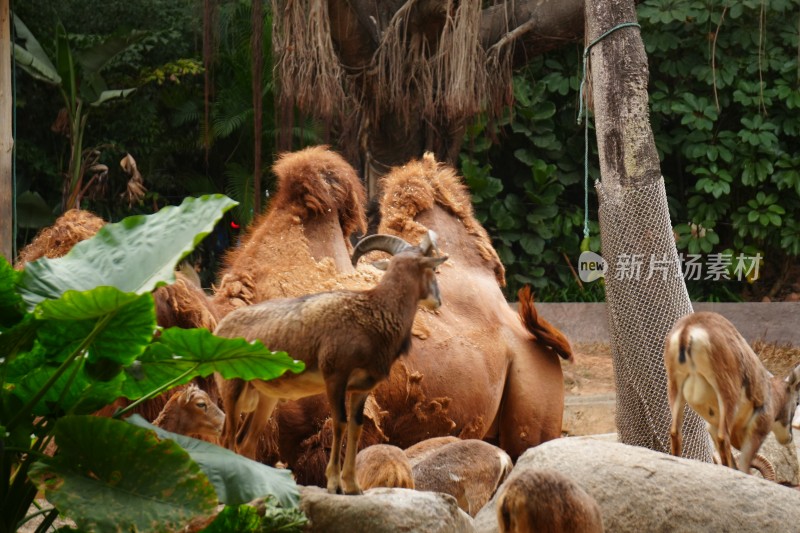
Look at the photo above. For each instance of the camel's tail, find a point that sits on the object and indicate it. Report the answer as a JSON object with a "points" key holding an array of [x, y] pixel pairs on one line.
{"points": [[541, 329]]}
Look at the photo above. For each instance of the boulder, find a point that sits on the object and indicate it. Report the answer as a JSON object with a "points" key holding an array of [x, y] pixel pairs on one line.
{"points": [[383, 510], [642, 490]]}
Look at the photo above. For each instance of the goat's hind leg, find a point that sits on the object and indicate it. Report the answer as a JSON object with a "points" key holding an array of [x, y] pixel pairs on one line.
{"points": [[721, 437], [678, 407], [354, 426], [254, 425], [336, 398]]}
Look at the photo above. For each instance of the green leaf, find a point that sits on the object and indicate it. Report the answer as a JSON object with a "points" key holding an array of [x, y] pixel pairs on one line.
{"points": [[526, 156], [188, 353], [18, 338], [236, 479], [75, 391], [112, 94], [135, 255], [120, 324], [33, 211], [112, 476], [32, 58], [247, 518], [532, 245], [10, 301], [239, 186], [96, 57], [66, 68], [544, 110]]}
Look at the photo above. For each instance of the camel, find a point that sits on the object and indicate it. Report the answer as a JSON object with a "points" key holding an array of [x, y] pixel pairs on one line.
{"points": [[476, 369]]}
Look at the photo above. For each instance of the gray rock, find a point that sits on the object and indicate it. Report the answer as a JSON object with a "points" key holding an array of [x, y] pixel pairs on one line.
{"points": [[383, 510], [642, 490], [784, 458]]}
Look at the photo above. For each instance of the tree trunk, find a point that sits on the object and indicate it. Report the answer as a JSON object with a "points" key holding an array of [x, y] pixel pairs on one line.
{"points": [[258, 103], [6, 139], [645, 291]]}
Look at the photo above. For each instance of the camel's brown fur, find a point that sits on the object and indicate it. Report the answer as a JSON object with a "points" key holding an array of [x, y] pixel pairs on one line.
{"points": [[420, 185], [481, 370], [274, 259], [69, 229]]}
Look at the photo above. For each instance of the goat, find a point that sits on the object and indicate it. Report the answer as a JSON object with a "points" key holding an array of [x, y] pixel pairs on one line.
{"points": [[711, 367], [190, 411], [546, 501], [348, 341], [299, 245], [383, 465], [470, 470]]}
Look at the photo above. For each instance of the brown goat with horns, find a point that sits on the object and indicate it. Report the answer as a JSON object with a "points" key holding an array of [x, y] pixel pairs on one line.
{"points": [[348, 341]]}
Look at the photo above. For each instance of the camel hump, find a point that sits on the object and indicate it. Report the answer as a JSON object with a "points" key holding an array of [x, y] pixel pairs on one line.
{"points": [[316, 181], [541, 329]]}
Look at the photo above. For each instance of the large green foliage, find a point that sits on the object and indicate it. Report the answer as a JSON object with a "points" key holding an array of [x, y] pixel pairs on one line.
{"points": [[85, 477], [725, 90], [71, 343], [77, 75]]}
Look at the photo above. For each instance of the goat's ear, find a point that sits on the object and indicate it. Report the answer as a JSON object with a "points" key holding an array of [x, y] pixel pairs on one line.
{"points": [[428, 244], [793, 379], [381, 264]]}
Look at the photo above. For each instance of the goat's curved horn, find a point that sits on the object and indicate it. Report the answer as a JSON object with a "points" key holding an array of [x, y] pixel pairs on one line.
{"points": [[385, 243]]}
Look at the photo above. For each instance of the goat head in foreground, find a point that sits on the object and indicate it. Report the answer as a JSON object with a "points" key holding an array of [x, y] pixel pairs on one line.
{"points": [[711, 367], [191, 411], [546, 501], [348, 341]]}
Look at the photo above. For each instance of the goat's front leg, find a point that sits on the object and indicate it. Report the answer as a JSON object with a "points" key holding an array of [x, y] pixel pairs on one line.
{"points": [[758, 428], [336, 398], [354, 426]]}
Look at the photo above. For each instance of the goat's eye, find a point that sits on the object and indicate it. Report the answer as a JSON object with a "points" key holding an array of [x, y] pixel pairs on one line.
{"points": [[202, 405]]}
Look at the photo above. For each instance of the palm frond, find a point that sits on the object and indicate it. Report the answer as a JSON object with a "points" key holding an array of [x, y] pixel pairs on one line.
{"points": [[239, 186]]}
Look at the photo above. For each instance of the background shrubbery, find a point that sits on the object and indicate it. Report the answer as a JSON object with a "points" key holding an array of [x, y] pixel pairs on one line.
{"points": [[725, 92], [727, 133]]}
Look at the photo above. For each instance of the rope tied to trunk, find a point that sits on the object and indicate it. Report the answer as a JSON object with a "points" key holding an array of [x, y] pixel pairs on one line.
{"points": [[582, 110]]}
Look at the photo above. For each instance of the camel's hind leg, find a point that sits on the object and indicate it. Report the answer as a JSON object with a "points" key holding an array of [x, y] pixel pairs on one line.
{"points": [[532, 408]]}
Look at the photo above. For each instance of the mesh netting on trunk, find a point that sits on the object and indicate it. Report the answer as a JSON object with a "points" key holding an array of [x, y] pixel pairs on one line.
{"points": [[645, 295]]}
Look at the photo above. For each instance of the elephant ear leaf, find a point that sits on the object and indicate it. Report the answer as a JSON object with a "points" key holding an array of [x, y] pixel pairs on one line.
{"points": [[109, 475], [135, 255], [237, 479]]}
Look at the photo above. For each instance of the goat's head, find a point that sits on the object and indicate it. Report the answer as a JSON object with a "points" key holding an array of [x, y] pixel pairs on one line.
{"points": [[200, 414], [425, 258], [782, 427]]}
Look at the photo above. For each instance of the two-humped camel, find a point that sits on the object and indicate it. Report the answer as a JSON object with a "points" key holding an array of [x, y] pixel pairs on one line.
{"points": [[475, 370]]}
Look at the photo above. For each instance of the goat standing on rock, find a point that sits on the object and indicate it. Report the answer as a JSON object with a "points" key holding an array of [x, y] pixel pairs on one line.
{"points": [[711, 367], [348, 341]]}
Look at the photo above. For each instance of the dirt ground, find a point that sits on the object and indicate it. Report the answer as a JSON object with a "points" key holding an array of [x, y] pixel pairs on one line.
{"points": [[592, 372]]}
